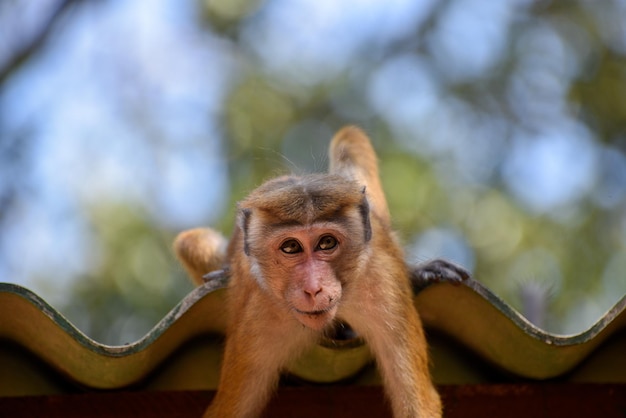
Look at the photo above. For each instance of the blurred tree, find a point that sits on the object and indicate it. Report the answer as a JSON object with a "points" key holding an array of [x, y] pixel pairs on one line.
{"points": [[24, 44], [135, 280], [500, 130]]}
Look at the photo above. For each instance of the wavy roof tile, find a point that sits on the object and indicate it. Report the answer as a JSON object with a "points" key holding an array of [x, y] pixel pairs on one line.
{"points": [[474, 337]]}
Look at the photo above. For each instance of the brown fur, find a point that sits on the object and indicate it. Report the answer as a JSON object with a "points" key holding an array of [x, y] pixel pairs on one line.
{"points": [[282, 302], [200, 251]]}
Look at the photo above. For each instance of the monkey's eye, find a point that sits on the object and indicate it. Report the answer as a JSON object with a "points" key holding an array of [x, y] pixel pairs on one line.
{"points": [[327, 242], [291, 246]]}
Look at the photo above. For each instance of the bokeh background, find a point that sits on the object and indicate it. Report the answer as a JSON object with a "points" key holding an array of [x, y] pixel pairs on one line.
{"points": [[501, 129]]}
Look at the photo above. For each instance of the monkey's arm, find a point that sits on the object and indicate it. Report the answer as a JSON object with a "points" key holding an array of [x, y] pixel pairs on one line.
{"points": [[255, 353], [393, 330]]}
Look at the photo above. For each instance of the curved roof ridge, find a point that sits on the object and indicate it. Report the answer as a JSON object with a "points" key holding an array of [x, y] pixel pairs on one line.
{"points": [[469, 313]]}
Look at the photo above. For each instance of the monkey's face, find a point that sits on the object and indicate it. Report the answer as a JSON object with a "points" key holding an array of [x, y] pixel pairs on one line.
{"points": [[305, 238], [307, 268], [304, 271]]}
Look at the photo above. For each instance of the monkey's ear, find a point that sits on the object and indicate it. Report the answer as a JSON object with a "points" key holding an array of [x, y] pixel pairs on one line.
{"points": [[364, 210], [243, 220]]}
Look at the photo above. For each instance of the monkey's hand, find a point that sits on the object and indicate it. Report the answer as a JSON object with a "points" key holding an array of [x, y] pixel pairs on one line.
{"points": [[436, 271]]}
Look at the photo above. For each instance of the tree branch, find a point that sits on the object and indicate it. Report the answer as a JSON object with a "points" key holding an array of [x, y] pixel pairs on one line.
{"points": [[36, 42]]}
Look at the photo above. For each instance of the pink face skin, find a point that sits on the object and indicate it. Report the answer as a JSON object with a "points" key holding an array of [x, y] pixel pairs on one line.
{"points": [[307, 281]]}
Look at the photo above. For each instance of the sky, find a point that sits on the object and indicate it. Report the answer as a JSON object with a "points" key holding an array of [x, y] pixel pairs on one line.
{"points": [[82, 95]]}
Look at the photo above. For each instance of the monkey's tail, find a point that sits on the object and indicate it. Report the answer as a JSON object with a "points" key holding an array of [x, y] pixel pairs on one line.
{"points": [[352, 155]]}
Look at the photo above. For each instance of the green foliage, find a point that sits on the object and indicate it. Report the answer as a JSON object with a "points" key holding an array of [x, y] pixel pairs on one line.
{"points": [[513, 249], [135, 281], [444, 160]]}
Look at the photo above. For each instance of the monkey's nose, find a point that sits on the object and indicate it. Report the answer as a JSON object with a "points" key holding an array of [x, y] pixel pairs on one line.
{"points": [[313, 292]]}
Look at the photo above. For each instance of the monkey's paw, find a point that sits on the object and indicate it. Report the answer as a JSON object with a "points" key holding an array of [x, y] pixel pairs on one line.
{"points": [[436, 271]]}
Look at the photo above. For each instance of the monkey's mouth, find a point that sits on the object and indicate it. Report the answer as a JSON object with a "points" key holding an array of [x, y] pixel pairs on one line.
{"points": [[316, 319], [315, 313]]}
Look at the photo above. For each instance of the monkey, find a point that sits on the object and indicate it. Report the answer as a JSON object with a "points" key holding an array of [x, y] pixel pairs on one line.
{"points": [[200, 250], [308, 252]]}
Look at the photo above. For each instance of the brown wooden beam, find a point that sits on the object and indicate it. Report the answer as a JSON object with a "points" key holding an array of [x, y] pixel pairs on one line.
{"points": [[467, 401]]}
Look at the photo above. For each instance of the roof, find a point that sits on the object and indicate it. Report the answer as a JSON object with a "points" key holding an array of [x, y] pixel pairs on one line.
{"points": [[474, 337]]}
